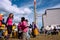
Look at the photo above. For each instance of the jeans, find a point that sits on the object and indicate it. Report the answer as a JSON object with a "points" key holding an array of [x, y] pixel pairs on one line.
{"points": [[28, 36], [25, 36]]}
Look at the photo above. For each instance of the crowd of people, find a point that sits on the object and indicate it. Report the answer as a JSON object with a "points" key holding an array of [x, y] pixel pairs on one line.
{"points": [[24, 29]]}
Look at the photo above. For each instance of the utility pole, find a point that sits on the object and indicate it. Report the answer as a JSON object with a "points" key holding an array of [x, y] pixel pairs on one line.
{"points": [[35, 11]]}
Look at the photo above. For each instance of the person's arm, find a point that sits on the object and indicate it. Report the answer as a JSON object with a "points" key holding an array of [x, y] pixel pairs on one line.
{"points": [[7, 21]]}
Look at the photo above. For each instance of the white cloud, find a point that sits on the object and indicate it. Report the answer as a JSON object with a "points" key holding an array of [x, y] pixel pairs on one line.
{"points": [[27, 10], [7, 6]]}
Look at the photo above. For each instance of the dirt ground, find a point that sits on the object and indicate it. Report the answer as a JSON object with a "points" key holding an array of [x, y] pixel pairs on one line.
{"points": [[41, 37]]}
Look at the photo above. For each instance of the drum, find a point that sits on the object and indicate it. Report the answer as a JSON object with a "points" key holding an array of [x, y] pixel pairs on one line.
{"points": [[3, 26], [5, 33], [36, 31], [13, 27], [15, 34]]}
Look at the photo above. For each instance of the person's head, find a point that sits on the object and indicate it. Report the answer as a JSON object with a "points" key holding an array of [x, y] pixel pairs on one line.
{"points": [[11, 15], [22, 19], [33, 23], [26, 20], [2, 15], [3, 19], [14, 24]]}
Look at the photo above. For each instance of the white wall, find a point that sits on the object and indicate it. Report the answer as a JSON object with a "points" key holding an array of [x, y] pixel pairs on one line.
{"points": [[52, 17]]}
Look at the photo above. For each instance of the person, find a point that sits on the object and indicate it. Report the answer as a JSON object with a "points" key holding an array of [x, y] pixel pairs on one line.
{"points": [[9, 24], [33, 27], [19, 31], [13, 27], [13, 30], [1, 30], [24, 28], [30, 26], [30, 29], [28, 32], [35, 31], [1, 18]]}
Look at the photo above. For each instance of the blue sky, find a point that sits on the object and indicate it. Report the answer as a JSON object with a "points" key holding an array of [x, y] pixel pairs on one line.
{"points": [[26, 8]]}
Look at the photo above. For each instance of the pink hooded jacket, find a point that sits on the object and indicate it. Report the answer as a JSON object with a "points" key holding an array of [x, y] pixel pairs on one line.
{"points": [[9, 21], [23, 26]]}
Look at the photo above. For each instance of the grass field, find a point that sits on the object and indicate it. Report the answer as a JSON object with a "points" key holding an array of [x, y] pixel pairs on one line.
{"points": [[42, 37], [47, 37]]}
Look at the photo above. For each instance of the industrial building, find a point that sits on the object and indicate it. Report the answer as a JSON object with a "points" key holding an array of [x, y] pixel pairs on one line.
{"points": [[51, 18]]}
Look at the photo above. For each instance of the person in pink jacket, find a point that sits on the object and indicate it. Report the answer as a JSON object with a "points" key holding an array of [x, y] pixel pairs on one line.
{"points": [[23, 27], [9, 23]]}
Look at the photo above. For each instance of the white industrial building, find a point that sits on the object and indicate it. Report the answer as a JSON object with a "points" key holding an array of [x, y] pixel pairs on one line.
{"points": [[51, 18]]}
